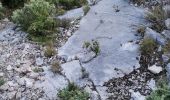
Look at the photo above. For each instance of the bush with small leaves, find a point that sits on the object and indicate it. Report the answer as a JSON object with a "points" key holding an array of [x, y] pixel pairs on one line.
{"points": [[13, 3], [148, 46], [86, 9], [73, 92], [161, 93], [36, 18]]}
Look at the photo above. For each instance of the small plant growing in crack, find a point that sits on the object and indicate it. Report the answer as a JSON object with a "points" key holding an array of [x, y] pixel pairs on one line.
{"points": [[73, 92], [92, 46]]}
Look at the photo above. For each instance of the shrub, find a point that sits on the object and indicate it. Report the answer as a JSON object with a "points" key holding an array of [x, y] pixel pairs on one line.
{"points": [[49, 50], [55, 67], [86, 9], [2, 9], [13, 3], [162, 93], [148, 46], [157, 16], [73, 92], [36, 18]]}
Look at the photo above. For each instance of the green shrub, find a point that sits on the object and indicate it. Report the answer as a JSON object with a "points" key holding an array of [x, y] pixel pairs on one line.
{"points": [[162, 93], [148, 46], [157, 16], [36, 18], [73, 92], [2, 11], [13, 3], [86, 9]]}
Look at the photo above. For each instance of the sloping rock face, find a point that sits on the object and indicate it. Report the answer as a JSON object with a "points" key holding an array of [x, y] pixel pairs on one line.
{"points": [[111, 23]]}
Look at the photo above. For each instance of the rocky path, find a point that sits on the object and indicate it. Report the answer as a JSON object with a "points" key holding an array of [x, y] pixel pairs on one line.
{"points": [[112, 23]]}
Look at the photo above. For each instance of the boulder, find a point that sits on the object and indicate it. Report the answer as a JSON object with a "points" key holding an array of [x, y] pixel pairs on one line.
{"points": [[155, 36], [155, 69], [167, 23]]}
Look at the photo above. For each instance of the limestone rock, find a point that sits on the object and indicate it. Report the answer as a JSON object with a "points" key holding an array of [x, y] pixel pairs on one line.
{"points": [[155, 36], [72, 70], [167, 23], [155, 69]]}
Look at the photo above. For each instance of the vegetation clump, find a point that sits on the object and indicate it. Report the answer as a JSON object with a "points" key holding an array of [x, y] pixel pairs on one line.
{"points": [[148, 46], [73, 92], [49, 50], [157, 17], [161, 93], [36, 18], [92, 46], [55, 67], [2, 11]]}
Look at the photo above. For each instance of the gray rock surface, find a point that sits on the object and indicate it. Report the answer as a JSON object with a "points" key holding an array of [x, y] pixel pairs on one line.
{"points": [[167, 23], [155, 36]]}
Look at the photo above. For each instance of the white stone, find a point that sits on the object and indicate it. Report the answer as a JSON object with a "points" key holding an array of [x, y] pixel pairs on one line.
{"points": [[9, 67], [167, 23], [155, 69], [1, 74], [39, 61]]}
